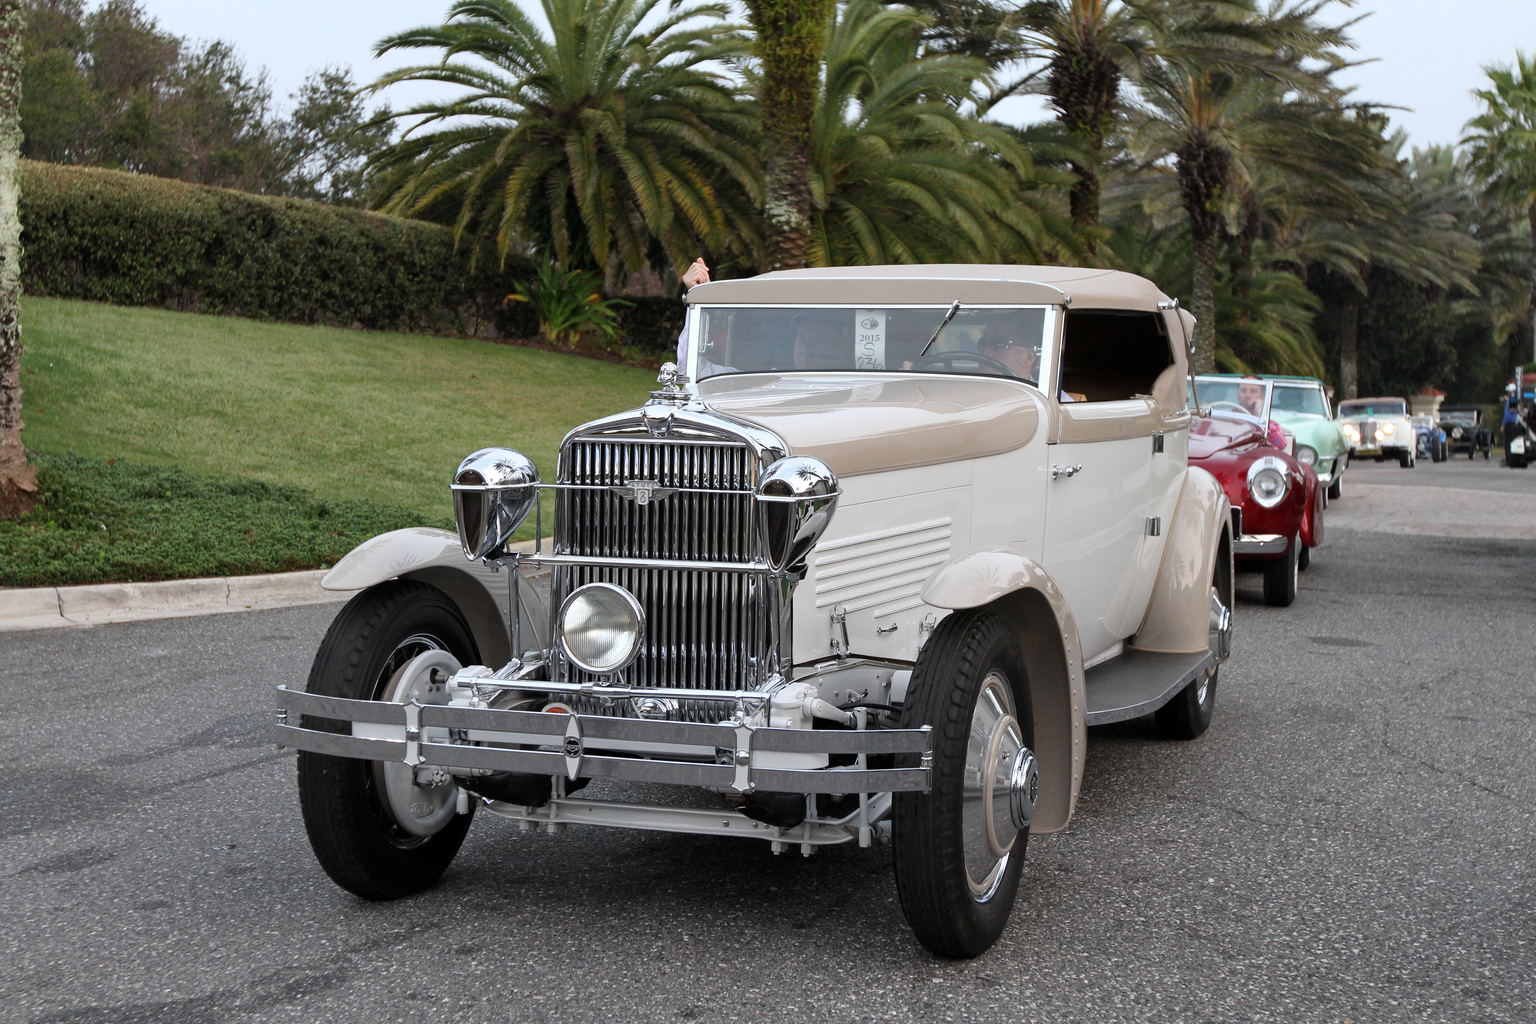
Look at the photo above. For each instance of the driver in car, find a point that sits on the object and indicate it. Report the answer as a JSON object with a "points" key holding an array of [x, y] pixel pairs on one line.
{"points": [[999, 345], [1251, 397]]}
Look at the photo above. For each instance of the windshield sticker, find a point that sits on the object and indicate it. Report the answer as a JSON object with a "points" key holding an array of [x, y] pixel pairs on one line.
{"points": [[870, 351]]}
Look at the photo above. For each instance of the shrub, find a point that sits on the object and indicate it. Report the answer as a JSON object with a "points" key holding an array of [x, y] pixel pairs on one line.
{"points": [[138, 240], [652, 325], [567, 304], [102, 522]]}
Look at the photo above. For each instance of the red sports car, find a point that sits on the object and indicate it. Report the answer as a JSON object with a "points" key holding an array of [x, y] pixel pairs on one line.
{"points": [[1277, 502]]}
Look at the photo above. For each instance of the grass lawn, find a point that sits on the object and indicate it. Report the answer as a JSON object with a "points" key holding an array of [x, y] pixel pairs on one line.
{"points": [[343, 414]]}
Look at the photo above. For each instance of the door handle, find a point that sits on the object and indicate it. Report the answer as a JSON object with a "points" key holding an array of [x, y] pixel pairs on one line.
{"points": [[1057, 472]]}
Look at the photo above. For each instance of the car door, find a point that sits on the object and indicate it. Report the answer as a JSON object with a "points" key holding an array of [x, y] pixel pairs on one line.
{"points": [[1112, 474]]}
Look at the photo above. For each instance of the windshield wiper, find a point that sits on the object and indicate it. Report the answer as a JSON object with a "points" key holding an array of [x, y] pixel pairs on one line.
{"points": [[953, 309]]}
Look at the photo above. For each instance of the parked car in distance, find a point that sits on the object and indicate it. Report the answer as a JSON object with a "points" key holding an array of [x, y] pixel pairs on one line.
{"points": [[855, 574], [1429, 439], [1302, 408], [1379, 428], [1464, 431], [1276, 499]]}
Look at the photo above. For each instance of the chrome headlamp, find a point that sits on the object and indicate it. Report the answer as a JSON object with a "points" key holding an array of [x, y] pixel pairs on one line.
{"points": [[1307, 454], [1268, 481], [795, 501], [493, 492], [601, 626]]}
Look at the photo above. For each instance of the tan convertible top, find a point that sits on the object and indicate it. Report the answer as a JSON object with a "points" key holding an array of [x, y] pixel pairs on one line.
{"points": [[938, 284]]}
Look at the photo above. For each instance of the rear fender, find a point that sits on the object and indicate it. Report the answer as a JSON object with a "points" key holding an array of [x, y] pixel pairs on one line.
{"points": [[435, 558], [1178, 616], [1031, 603]]}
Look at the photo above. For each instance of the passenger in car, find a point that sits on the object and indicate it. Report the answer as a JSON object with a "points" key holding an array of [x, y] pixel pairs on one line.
{"points": [[822, 345]]}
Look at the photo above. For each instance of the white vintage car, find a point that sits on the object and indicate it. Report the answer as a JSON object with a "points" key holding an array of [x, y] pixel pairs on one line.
{"points": [[1379, 428], [862, 572]]}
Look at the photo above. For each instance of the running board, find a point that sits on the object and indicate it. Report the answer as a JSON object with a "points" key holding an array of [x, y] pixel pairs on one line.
{"points": [[1138, 683]]}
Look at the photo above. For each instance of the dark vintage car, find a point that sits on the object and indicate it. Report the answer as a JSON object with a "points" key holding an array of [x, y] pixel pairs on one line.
{"points": [[1464, 431], [1277, 501]]}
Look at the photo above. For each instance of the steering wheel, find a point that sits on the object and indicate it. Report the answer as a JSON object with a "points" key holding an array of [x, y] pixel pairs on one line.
{"points": [[948, 360], [1231, 407]]}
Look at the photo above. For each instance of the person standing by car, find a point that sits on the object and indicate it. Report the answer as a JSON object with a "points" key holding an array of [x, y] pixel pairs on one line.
{"points": [[1511, 421]]}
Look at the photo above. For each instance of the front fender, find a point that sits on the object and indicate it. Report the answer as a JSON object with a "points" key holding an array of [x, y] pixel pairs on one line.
{"points": [[1178, 616], [434, 557], [1033, 606]]}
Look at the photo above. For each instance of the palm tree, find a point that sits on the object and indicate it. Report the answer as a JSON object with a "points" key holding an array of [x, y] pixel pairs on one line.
{"points": [[592, 143], [791, 39], [1087, 46], [18, 480], [1501, 142], [1220, 78], [900, 171]]}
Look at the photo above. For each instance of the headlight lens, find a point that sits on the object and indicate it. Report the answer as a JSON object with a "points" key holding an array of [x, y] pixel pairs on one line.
{"points": [[601, 626], [1307, 454], [1387, 428], [1268, 481]]}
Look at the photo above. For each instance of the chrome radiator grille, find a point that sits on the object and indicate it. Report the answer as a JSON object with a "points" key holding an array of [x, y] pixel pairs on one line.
{"points": [[701, 527], [705, 629]]}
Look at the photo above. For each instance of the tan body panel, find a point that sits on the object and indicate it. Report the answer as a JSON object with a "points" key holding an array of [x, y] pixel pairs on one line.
{"points": [[1035, 608], [434, 557], [880, 422], [937, 284], [1177, 617]]}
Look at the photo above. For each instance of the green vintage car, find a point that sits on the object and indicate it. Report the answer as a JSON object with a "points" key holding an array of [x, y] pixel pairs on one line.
{"points": [[1301, 407]]}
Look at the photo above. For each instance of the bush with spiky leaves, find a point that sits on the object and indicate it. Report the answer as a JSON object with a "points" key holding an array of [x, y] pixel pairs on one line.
{"points": [[569, 303]]}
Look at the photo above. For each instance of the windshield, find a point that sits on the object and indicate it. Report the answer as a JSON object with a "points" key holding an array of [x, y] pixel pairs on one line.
{"points": [[1307, 400], [1466, 417], [1246, 396], [1389, 407], [990, 341]]}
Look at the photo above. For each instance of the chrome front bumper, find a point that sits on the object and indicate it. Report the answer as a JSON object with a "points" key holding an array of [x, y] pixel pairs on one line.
{"points": [[727, 756], [1260, 544]]}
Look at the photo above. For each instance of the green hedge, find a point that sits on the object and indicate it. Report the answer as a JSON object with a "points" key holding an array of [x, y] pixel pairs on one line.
{"points": [[134, 239], [113, 521]]}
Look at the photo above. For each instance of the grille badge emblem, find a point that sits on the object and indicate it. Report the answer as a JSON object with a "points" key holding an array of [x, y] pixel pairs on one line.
{"points": [[643, 492]]}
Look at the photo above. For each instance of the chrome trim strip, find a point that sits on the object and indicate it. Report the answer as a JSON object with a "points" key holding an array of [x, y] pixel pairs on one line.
{"points": [[643, 563], [1261, 544]]}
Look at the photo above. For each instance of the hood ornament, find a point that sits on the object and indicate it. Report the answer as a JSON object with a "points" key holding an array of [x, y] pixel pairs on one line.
{"points": [[657, 413]]}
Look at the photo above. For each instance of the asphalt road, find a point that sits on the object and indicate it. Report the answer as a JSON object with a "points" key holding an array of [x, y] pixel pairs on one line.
{"points": [[1352, 841]]}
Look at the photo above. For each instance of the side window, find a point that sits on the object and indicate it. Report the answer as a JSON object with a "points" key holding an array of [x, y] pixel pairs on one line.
{"points": [[1109, 355]]}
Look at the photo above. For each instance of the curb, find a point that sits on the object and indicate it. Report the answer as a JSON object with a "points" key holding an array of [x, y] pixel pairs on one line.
{"points": [[52, 607], [101, 603]]}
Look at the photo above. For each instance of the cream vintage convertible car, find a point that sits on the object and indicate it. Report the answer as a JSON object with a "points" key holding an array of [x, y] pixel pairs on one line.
{"points": [[863, 570]]}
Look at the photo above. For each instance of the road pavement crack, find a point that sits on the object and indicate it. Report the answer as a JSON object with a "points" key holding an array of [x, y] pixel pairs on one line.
{"points": [[1441, 770]]}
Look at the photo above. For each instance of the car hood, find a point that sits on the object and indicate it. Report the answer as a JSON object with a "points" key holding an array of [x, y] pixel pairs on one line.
{"points": [[1321, 434], [872, 422], [1216, 433]]}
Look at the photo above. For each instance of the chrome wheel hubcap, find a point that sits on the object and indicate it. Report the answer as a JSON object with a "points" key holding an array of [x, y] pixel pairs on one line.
{"points": [[421, 810], [1001, 784]]}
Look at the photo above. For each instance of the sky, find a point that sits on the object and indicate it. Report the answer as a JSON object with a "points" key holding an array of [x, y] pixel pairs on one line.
{"points": [[1425, 55]]}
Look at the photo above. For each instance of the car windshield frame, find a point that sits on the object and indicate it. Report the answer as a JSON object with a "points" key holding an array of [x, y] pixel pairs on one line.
{"points": [[960, 335], [1206, 386], [1369, 410], [1322, 397]]}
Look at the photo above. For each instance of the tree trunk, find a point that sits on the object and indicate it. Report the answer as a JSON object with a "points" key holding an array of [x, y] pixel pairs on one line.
{"points": [[1203, 306], [1084, 86], [791, 42], [1084, 202], [1530, 309], [18, 480], [1204, 171], [1349, 347]]}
